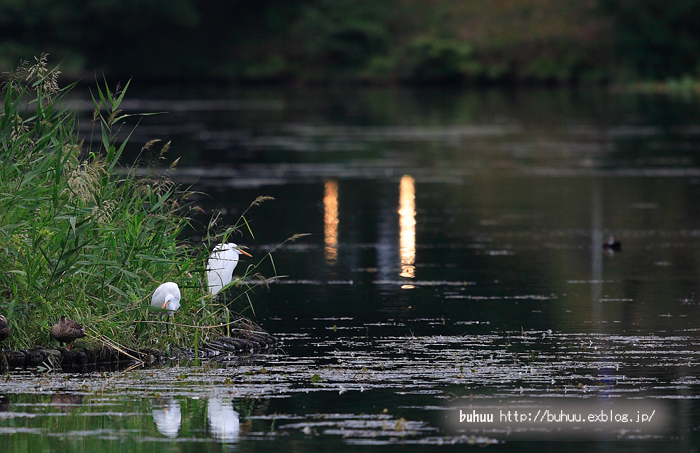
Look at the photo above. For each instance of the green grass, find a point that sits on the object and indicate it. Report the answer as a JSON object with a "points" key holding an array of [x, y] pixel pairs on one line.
{"points": [[83, 237]]}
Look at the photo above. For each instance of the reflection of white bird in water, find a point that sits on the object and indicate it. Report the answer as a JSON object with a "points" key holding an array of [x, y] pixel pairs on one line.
{"points": [[167, 296], [222, 262], [223, 420], [167, 417]]}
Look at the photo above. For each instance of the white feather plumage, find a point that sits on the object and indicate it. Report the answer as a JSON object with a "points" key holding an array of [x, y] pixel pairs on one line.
{"points": [[167, 296], [222, 262]]}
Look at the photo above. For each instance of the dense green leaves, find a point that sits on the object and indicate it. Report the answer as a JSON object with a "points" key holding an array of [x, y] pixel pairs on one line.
{"points": [[83, 237]]}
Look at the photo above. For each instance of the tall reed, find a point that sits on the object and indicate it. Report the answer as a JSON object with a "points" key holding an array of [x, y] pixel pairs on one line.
{"points": [[82, 236]]}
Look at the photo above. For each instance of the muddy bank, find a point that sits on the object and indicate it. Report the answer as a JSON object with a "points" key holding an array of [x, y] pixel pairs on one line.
{"points": [[109, 357]]}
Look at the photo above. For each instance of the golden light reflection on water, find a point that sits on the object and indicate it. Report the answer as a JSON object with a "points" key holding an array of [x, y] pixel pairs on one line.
{"points": [[407, 226], [330, 206]]}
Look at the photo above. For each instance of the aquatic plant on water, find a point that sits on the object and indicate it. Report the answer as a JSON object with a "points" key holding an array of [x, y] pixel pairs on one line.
{"points": [[83, 237]]}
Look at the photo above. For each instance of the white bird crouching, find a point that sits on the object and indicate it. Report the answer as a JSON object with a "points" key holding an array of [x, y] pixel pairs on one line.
{"points": [[222, 262], [167, 296]]}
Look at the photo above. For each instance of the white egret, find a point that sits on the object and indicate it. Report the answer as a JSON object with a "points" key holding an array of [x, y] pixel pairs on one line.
{"points": [[222, 262], [167, 296]]}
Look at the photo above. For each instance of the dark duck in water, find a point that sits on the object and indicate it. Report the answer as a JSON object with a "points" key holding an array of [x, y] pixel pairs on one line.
{"points": [[611, 245], [67, 331], [4, 328]]}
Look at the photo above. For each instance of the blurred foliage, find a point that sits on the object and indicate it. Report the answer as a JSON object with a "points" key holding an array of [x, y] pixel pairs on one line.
{"points": [[388, 41], [428, 58], [340, 36], [656, 39]]}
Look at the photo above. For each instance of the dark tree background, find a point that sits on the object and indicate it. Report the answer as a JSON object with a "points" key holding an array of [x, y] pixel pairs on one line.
{"points": [[358, 40], [657, 38]]}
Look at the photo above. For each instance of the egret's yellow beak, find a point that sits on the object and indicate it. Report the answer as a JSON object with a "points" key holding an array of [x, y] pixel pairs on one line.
{"points": [[166, 303], [245, 253]]}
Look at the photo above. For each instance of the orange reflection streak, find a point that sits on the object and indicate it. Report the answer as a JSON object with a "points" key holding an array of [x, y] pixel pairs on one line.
{"points": [[330, 220], [407, 226]]}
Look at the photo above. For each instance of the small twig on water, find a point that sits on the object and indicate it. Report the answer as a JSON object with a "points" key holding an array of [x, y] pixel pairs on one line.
{"points": [[191, 326]]}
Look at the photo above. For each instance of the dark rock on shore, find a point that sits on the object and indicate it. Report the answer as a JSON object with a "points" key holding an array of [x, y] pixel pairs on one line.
{"points": [[242, 342]]}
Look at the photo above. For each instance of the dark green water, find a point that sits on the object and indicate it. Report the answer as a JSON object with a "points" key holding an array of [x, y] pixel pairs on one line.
{"points": [[455, 262]]}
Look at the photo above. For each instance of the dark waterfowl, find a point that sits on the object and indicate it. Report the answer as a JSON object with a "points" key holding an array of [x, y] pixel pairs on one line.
{"points": [[611, 245], [4, 403], [67, 331], [4, 328], [66, 402]]}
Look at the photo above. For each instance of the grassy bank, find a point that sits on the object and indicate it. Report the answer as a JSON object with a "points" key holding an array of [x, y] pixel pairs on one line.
{"points": [[85, 238]]}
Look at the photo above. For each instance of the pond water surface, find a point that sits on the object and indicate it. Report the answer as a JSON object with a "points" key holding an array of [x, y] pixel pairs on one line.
{"points": [[454, 269]]}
